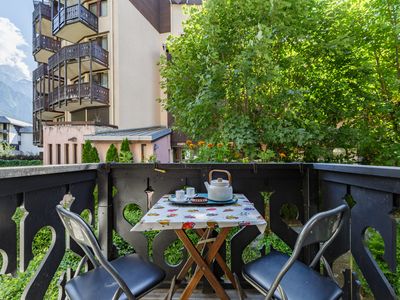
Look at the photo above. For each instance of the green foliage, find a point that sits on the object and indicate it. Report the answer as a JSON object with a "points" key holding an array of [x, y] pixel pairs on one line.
{"points": [[86, 152], [112, 154], [125, 145], [376, 246], [94, 155], [6, 150], [19, 163], [89, 153], [125, 154], [302, 77]]}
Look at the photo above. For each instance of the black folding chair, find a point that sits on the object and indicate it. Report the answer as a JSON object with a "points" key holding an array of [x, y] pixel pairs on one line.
{"points": [[278, 276], [127, 277]]}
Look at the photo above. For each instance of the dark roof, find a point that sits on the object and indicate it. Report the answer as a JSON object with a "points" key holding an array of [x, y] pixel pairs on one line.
{"points": [[136, 134]]}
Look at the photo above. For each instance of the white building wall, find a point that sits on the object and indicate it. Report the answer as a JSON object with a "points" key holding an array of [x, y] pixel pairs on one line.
{"points": [[13, 137], [27, 146], [136, 56]]}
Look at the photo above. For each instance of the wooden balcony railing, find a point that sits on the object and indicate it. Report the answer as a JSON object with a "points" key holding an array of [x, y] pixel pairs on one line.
{"points": [[92, 92], [40, 72], [40, 102], [41, 10], [72, 14], [308, 188], [89, 50], [42, 42]]}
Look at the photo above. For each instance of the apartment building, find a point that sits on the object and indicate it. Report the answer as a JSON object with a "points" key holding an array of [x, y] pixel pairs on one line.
{"points": [[18, 134], [98, 71]]}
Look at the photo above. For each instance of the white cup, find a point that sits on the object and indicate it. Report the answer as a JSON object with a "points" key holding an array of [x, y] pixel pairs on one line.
{"points": [[190, 192], [180, 195]]}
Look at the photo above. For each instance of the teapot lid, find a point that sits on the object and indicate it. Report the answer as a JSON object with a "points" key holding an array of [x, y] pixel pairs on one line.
{"points": [[220, 182]]}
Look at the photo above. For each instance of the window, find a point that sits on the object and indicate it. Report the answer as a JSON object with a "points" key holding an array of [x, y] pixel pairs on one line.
{"points": [[50, 154], [66, 154], [101, 79], [93, 8], [75, 153], [104, 42], [143, 151], [58, 154], [103, 8]]}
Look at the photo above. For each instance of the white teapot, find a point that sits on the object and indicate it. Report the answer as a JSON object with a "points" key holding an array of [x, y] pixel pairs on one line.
{"points": [[219, 189]]}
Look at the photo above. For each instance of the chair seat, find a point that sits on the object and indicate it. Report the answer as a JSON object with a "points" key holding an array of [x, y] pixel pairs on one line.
{"points": [[300, 281], [140, 276]]}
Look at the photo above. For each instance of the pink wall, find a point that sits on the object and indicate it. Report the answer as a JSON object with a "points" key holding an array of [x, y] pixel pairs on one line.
{"points": [[70, 139], [162, 149]]}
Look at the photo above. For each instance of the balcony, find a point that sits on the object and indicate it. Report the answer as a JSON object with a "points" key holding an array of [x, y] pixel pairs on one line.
{"points": [[77, 96], [42, 108], [92, 57], [43, 47], [40, 78], [74, 23], [307, 188], [41, 18]]}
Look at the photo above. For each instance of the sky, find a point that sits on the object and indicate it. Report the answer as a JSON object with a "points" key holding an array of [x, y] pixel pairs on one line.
{"points": [[16, 36]]}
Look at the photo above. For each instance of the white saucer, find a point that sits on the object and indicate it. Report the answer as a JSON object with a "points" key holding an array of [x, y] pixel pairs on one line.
{"points": [[173, 199]]}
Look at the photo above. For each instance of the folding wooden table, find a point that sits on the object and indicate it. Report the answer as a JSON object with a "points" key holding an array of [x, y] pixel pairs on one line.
{"points": [[203, 220]]}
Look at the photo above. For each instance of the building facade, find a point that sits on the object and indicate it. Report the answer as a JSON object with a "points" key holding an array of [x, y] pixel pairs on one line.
{"points": [[98, 68], [19, 135]]}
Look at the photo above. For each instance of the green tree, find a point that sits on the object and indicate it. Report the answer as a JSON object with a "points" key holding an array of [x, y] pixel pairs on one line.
{"points": [[302, 77], [94, 155], [112, 154], [125, 154], [87, 152]]}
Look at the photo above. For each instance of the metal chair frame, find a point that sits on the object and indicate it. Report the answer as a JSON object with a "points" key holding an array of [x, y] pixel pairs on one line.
{"points": [[321, 228], [82, 234]]}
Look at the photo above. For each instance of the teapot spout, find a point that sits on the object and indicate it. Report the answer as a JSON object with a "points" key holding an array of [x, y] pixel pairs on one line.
{"points": [[207, 185]]}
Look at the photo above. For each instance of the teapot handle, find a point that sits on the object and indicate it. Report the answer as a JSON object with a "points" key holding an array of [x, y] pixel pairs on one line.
{"points": [[220, 171]]}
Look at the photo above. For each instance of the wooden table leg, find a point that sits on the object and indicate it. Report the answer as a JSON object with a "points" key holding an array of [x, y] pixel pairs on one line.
{"points": [[189, 262], [221, 262], [203, 265], [200, 247]]}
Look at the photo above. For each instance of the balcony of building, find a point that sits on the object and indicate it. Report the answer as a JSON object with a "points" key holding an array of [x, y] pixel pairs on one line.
{"points": [[41, 89], [107, 191], [43, 47], [76, 96], [75, 60], [73, 21], [41, 18]]}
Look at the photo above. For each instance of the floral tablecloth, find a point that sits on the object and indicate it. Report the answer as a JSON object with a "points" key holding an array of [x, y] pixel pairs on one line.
{"points": [[164, 216]]}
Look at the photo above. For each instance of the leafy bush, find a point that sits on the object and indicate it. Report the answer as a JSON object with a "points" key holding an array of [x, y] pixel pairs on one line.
{"points": [[112, 154], [6, 149], [125, 154], [252, 73], [89, 153]]}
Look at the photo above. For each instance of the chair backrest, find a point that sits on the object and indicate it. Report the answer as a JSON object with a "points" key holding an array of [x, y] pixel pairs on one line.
{"points": [[83, 235], [321, 228]]}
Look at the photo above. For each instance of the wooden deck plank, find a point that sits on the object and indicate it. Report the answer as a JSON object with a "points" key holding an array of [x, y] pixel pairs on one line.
{"points": [[159, 294]]}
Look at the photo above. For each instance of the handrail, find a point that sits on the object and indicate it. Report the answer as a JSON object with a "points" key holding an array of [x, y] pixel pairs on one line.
{"points": [[88, 49]]}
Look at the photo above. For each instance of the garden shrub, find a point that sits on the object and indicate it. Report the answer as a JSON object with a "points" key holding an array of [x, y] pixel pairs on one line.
{"points": [[112, 154]]}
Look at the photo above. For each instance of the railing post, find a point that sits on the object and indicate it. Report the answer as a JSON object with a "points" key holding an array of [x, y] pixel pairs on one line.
{"points": [[105, 213], [310, 202]]}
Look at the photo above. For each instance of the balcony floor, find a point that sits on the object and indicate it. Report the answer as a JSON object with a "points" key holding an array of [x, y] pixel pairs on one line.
{"points": [[159, 294]]}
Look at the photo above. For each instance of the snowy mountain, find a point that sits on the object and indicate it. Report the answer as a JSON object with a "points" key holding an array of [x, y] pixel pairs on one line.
{"points": [[15, 94]]}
